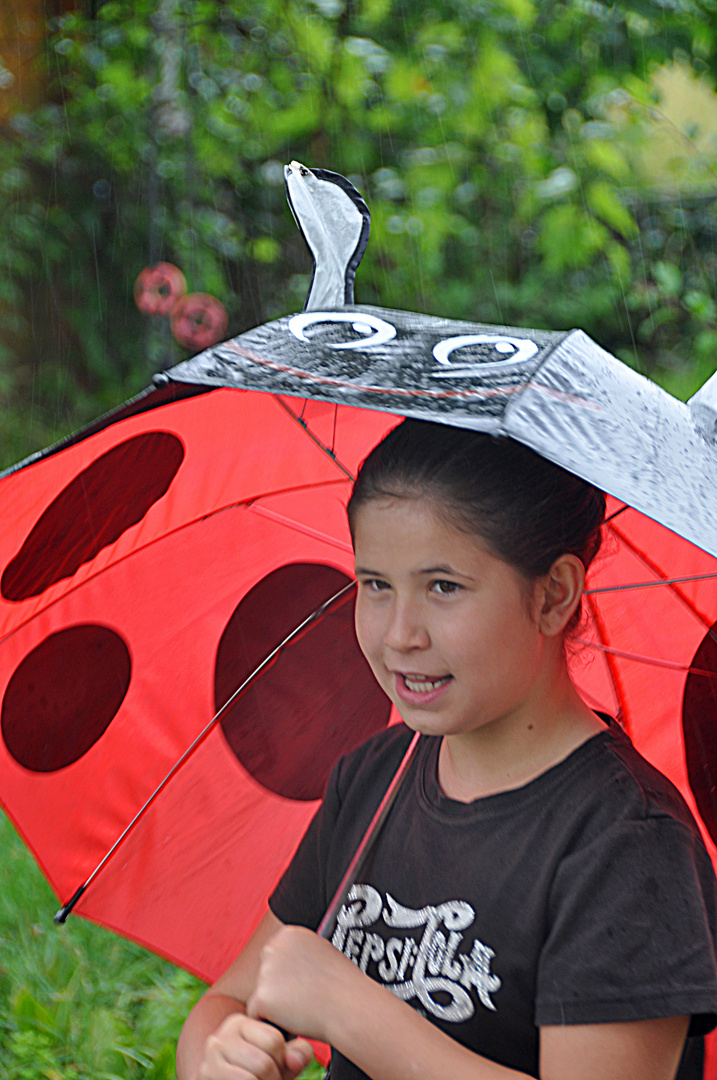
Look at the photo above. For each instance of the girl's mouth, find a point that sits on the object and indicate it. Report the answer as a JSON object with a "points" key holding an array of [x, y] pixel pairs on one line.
{"points": [[419, 689]]}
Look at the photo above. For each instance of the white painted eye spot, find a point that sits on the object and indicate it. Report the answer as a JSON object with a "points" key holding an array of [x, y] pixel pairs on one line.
{"points": [[514, 350], [381, 330]]}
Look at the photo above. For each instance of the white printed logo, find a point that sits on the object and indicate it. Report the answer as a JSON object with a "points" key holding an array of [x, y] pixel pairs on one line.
{"points": [[418, 968]]}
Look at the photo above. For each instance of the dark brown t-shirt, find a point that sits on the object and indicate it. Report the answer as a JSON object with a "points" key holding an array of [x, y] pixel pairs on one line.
{"points": [[585, 896]]}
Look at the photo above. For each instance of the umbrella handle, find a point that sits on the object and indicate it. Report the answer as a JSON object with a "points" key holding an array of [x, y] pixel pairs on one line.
{"points": [[286, 1035]]}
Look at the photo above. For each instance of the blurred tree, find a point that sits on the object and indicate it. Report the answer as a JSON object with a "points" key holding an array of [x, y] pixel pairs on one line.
{"points": [[23, 82], [500, 144]]}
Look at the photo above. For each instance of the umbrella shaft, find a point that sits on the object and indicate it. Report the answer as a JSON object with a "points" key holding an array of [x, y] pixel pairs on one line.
{"points": [[327, 924]]}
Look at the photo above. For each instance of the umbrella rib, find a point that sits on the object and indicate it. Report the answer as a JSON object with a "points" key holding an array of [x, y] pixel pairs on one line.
{"points": [[646, 561], [313, 618], [671, 665], [649, 584], [616, 513], [297, 526], [247, 503], [314, 438]]}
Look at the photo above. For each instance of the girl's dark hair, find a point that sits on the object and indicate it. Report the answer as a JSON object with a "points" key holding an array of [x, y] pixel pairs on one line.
{"points": [[526, 509]]}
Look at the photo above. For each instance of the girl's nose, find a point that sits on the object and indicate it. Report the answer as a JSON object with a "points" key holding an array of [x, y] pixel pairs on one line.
{"points": [[406, 629]]}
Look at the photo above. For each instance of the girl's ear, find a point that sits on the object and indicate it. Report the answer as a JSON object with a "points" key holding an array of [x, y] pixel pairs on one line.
{"points": [[559, 594]]}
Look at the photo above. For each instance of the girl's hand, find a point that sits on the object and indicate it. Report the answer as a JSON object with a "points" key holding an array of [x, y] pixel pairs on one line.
{"points": [[245, 1049], [302, 983]]}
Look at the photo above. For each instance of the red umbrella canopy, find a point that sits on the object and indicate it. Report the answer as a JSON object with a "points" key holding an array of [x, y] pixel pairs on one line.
{"points": [[145, 572], [148, 568], [648, 654]]}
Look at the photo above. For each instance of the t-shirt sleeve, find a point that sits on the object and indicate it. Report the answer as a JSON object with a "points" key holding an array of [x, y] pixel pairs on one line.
{"points": [[631, 930], [300, 897]]}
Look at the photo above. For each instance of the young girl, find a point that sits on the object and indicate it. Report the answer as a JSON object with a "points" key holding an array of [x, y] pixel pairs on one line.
{"points": [[539, 902]]}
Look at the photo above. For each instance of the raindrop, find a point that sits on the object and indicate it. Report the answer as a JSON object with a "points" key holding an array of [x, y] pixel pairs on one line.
{"points": [[236, 106], [272, 172], [597, 129], [330, 8], [465, 193], [555, 102], [428, 197], [252, 82], [560, 182], [166, 168], [374, 56], [424, 155], [435, 53], [101, 189], [388, 184]]}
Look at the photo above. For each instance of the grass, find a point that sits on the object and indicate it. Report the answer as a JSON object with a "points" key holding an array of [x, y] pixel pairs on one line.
{"points": [[77, 1002]]}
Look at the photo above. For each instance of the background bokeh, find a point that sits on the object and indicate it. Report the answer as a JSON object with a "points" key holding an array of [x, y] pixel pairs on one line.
{"points": [[542, 164]]}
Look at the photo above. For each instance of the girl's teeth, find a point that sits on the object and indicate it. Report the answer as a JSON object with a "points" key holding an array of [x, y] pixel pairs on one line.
{"points": [[423, 686]]}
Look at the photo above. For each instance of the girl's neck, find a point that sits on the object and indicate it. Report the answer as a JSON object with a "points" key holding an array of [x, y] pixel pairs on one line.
{"points": [[511, 751]]}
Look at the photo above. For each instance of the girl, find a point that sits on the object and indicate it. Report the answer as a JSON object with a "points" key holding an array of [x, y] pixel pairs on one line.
{"points": [[539, 902]]}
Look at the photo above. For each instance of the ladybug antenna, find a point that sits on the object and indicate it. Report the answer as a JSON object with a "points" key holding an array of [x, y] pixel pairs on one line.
{"points": [[335, 222]]}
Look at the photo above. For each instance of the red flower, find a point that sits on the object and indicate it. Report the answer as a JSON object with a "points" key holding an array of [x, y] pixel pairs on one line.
{"points": [[198, 320], [158, 288]]}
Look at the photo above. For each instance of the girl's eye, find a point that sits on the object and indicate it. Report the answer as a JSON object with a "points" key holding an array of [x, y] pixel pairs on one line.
{"points": [[445, 588], [374, 584]]}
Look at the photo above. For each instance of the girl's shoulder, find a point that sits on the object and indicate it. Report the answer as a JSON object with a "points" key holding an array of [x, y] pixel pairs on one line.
{"points": [[633, 784]]}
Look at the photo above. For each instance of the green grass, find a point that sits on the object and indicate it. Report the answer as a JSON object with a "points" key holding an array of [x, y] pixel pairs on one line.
{"points": [[77, 1002]]}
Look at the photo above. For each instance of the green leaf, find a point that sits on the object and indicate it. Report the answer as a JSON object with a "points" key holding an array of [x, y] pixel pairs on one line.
{"points": [[668, 278], [605, 203], [608, 158], [700, 304], [31, 1013], [265, 249], [659, 318]]}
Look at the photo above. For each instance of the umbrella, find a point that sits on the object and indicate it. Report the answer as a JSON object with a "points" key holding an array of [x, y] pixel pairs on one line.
{"points": [[152, 563]]}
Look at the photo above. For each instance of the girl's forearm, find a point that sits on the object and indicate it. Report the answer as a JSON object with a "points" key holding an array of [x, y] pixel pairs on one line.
{"points": [[388, 1040], [203, 1020]]}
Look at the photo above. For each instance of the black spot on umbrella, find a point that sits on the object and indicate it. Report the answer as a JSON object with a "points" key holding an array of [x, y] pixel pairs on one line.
{"points": [[699, 724], [64, 695], [318, 699], [105, 499]]}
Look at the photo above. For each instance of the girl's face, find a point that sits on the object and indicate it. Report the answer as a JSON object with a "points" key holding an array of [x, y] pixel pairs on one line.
{"points": [[446, 626]]}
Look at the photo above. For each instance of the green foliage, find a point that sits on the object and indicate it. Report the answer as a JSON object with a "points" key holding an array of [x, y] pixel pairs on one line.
{"points": [[76, 1002], [494, 141]]}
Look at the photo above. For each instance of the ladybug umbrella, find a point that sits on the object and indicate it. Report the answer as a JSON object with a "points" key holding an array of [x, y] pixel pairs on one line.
{"points": [[152, 563]]}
